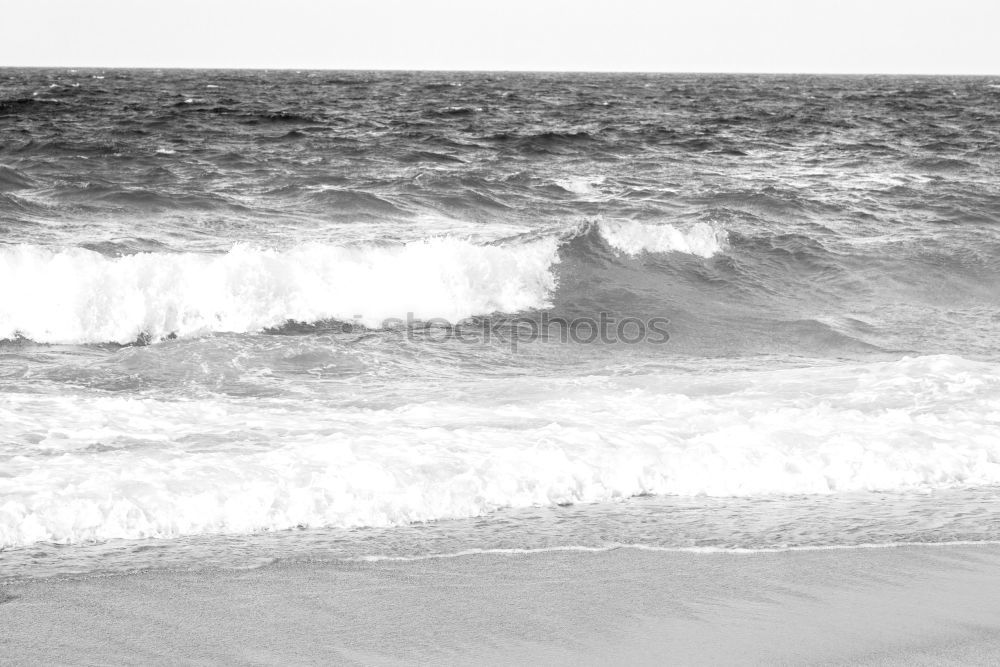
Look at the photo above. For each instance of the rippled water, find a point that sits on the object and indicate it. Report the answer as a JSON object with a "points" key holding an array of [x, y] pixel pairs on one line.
{"points": [[237, 302]]}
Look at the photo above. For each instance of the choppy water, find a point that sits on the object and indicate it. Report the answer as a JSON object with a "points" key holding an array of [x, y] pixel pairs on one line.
{"points": [[237, 302]]}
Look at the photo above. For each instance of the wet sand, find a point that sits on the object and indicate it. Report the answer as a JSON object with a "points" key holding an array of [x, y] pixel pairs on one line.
{"points": [[902, 605]]}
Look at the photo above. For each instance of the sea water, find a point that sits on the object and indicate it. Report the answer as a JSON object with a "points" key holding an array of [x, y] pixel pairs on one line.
{"points": [[248, 316]]}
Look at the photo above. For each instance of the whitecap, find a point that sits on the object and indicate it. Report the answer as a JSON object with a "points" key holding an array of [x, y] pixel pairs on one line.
{"points": [[633, 238]]}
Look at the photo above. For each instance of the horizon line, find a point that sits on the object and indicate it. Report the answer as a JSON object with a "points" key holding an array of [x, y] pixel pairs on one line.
{"points": [[489, 71]]}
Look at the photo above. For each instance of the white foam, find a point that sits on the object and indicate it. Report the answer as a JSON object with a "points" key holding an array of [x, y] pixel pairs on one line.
{"points": [[97, 467], [633, 238], [736, 551], [79, 296]]}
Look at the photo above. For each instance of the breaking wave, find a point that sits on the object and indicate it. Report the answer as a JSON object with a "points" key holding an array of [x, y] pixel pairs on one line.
{"points": [[75, 295], [80, 296]]}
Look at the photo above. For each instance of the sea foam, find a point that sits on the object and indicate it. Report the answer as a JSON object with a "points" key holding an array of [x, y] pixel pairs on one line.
{"points": [[136, 467]]}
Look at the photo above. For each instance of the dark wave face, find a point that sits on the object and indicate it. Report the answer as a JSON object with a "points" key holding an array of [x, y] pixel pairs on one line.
{"points": [[243, 301]]}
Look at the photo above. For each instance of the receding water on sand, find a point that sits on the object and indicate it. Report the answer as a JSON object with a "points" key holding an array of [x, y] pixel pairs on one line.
{"points": [[701, 525]]}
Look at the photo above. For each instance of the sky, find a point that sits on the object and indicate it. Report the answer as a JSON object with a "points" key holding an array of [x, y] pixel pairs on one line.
{"points": [[846, 36]]}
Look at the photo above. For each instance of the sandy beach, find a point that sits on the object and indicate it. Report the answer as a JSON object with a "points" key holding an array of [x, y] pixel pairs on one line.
{"points": [[896, 605]]}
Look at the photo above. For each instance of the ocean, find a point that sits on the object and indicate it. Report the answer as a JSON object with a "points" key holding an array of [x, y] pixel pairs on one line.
{"points": [[260, 316]]}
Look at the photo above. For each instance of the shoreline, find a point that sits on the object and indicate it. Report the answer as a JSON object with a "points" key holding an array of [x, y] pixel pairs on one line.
{"points": [[890, 605]]}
